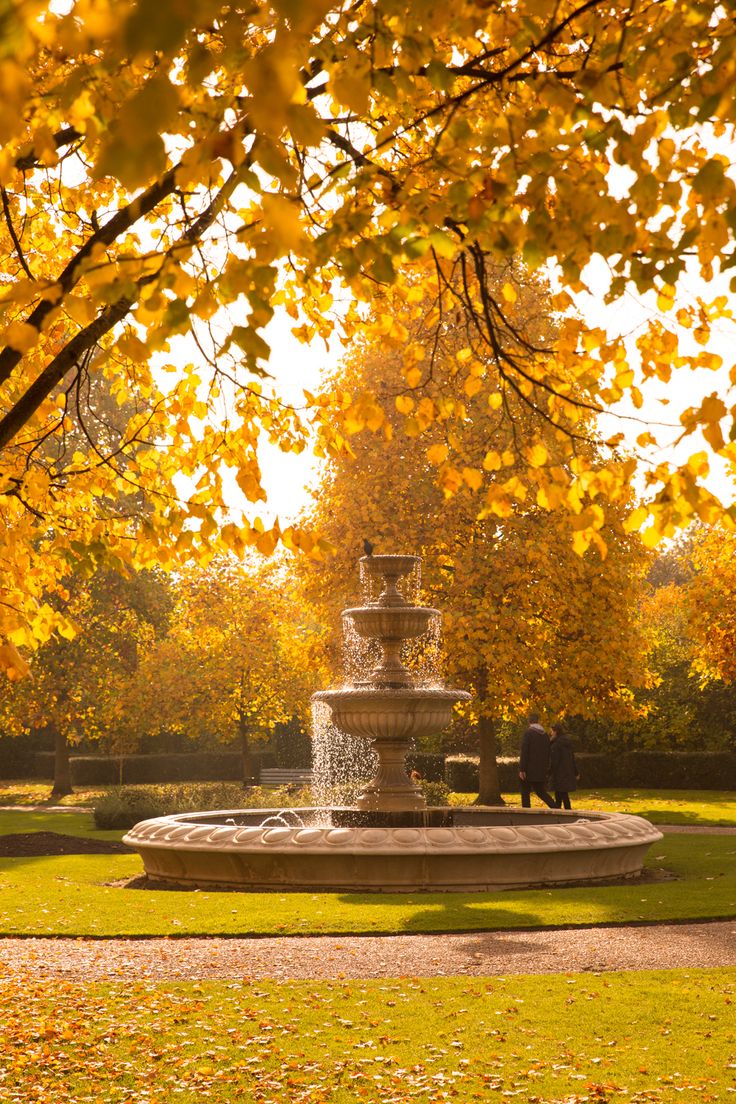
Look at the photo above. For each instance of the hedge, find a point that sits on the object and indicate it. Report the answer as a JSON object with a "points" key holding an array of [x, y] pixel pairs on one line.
{"points": [[202, 766], [431, 767], [646, 769], [655, 770]]}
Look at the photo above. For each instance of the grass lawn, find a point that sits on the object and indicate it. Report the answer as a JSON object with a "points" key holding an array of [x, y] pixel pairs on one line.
{"points": [[76, 895], [628, 1038], [39, 793], [13, 821], [696, 807]]}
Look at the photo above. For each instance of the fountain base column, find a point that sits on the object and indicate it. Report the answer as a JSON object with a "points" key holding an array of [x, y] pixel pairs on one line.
{"points": [[391, 788]]}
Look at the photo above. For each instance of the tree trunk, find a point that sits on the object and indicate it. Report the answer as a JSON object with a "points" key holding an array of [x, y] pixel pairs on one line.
{"points": [[62, 766], [490, 786], [246, 754]]}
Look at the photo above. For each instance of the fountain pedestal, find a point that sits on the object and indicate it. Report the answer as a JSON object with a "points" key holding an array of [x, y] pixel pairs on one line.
{"points": [[391, 788]]}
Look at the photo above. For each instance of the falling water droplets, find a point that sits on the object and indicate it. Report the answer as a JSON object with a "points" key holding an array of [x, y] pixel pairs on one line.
{"points": [[423, 655], [360, 655], [341, 764]]}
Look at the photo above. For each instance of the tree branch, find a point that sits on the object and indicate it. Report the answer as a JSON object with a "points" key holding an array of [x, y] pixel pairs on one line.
{"points": [[14, 236], [57, 368], [106, 235]]}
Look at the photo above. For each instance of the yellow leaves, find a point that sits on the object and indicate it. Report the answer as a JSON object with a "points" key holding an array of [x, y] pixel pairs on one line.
{"points": [[305, 124], [282, 225], [133, 150], [492, 461], [711, 361], [266, 542], [550, 496], [537, 456], [651, 536], [12, 662], [498, 502], [20, 336], [131, 346], [708, 417], [698, 464], [509, 293], [582, 540], [81, 110], [666, 298], [404, 404], [249, 483], [437, 454], [80, 309], [351, 86], [473, 478], [44, 146], [450, 480]]}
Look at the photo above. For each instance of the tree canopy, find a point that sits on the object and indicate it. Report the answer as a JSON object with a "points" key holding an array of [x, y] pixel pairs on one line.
{"points": [[239, 657], [530, 621], [171, 174]]}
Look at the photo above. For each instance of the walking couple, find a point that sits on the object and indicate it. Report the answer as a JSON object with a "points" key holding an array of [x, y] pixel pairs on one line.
{"points": [[542, 755]]}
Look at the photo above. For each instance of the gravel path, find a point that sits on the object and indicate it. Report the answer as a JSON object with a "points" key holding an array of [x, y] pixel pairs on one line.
{"points": [[661, 946]]}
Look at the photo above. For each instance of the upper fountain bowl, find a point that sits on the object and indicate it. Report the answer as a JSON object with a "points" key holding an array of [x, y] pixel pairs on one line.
{"points": [[390, 622], [389, 567]]}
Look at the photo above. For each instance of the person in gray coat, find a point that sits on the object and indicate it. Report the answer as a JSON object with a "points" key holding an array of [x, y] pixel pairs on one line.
{"points": [[534, 763], [563, 768]]}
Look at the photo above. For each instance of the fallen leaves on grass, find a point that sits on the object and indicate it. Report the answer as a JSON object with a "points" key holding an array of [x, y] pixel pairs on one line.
{"points": [[396, 1042]]}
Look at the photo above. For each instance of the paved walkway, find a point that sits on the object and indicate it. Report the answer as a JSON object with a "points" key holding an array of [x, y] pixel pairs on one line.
{"points": [[661, 946]]}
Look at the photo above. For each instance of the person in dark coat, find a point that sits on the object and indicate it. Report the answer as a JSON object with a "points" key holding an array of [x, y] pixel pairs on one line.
{"points": [[563, 768], [534, 763]]}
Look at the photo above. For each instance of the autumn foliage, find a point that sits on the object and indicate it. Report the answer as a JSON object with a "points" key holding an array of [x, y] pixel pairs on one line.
{"points": [[172, 174]]}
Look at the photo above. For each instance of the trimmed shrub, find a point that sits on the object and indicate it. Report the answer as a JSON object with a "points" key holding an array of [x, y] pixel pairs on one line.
{"points": [[655, 770], [198, 766], [127, 805], [16, 758], [436, 793], [293, 747]]}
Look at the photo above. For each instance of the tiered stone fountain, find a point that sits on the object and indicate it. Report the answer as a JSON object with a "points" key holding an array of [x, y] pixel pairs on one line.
{"points": [[390, 840], [391, 707]]}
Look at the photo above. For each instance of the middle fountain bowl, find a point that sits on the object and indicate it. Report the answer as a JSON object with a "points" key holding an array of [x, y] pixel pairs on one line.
{"points": [[385, 713], [390, 719]]}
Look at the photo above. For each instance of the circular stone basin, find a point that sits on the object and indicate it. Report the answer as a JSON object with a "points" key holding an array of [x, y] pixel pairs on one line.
{"points": [[464, 849]]}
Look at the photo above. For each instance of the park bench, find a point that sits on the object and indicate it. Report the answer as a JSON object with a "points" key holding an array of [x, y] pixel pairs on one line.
{"points": [[285, 776]]}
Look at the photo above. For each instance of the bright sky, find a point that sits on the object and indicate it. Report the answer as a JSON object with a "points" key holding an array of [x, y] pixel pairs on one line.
{"points": [[288, 477], [664, 402]]}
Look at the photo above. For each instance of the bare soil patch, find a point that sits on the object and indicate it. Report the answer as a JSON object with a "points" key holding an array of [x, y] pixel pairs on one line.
{"points": [[37, 844]]}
